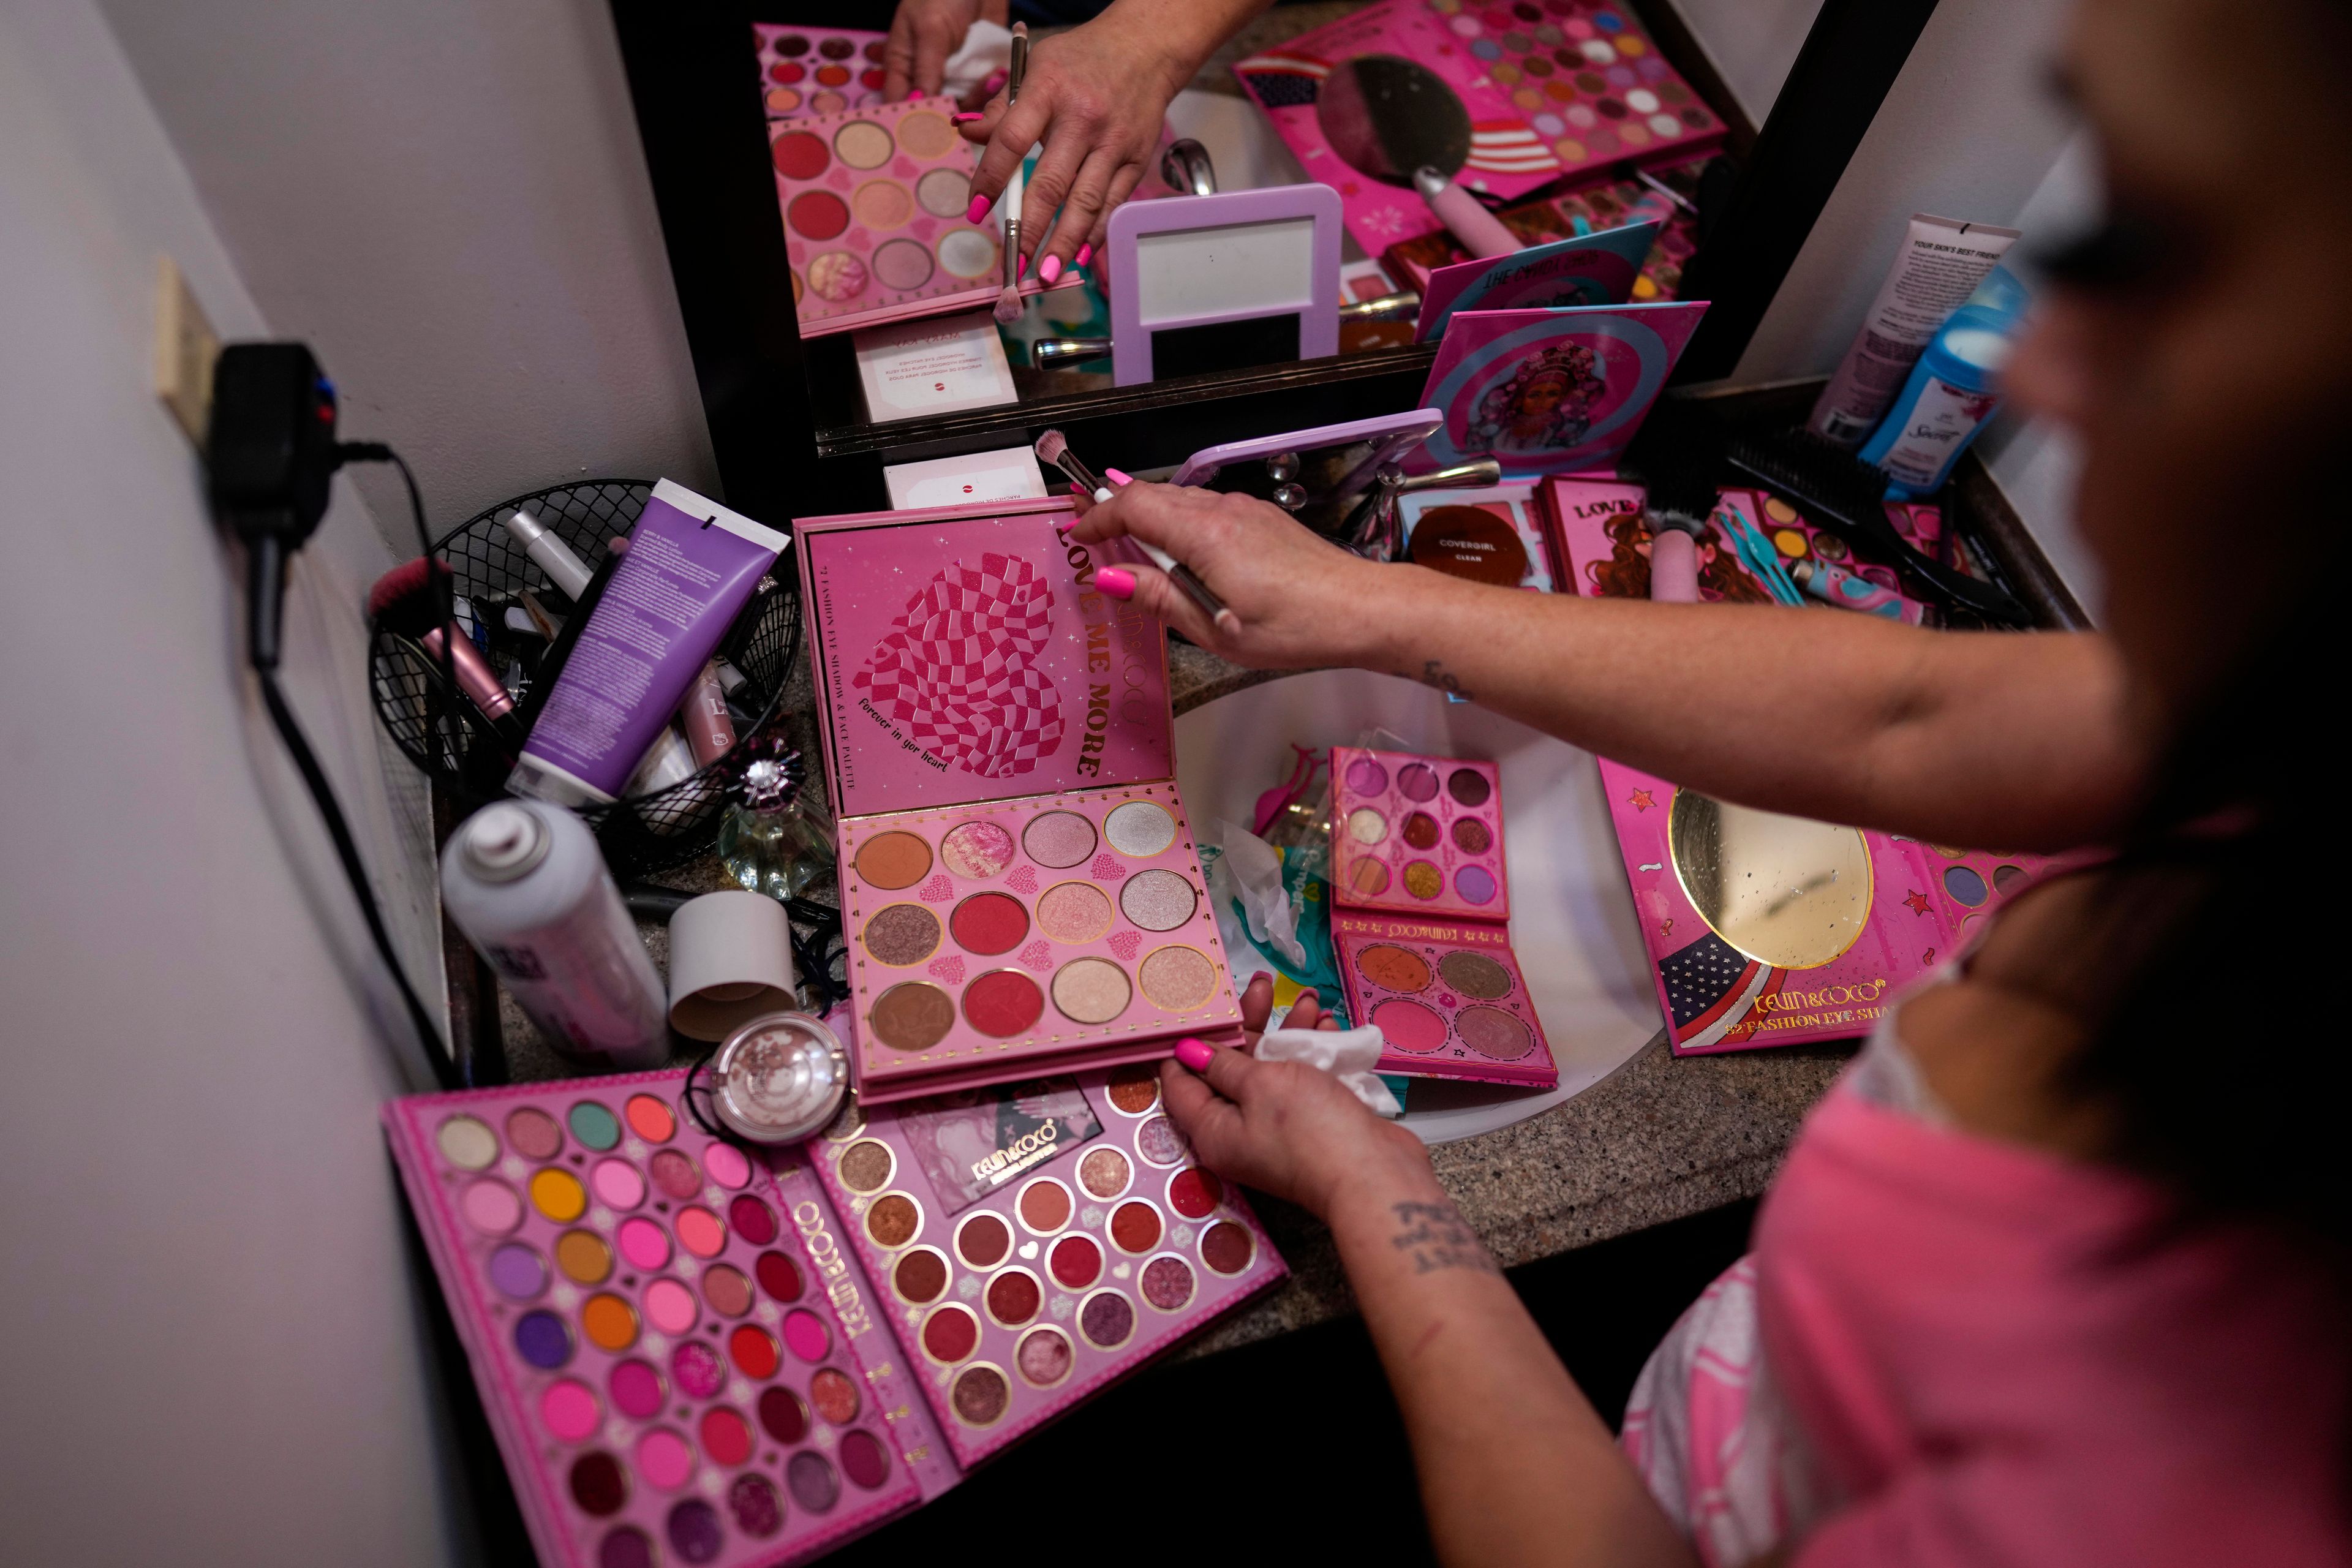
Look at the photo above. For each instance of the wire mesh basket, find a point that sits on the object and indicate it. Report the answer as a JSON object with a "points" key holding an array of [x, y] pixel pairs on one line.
{"points": [[446, 735]]}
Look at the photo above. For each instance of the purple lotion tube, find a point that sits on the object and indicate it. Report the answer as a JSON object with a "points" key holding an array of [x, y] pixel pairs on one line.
{"points": [[691, 567]]}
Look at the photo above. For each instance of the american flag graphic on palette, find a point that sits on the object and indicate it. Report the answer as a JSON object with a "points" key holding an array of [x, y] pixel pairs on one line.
{"points": [[1551, 88]]}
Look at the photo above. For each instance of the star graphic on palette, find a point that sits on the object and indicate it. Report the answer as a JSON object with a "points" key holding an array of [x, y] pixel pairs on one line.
{"points": [[1640, 800], [1918, 902]]}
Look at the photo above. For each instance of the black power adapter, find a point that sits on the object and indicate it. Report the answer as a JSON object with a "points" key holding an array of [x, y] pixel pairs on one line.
{"points": [[272, 455]]}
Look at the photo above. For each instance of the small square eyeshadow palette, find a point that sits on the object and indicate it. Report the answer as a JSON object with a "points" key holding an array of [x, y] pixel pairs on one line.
{"points": [[1035, 1242], [1417, 835], [667, 1373], [874, 203], [1449, 997], [1019, 883], [995, 930], [817, 71]]}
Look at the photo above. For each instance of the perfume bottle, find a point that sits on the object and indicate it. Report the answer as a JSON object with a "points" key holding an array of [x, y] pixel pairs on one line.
{"points": [[774, 840]]}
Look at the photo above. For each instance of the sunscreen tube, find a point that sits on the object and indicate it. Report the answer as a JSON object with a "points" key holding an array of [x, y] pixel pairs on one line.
{"points": [[1939, 265], [691, 567]]}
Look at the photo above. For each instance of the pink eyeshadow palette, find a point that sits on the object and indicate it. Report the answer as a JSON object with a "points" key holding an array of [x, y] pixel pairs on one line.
{"points": [[1020, 889], [990, 934], [874, 203], [1417, 835], [1035, 1242], [817, 71], [1449, 997], [670, 1374]]}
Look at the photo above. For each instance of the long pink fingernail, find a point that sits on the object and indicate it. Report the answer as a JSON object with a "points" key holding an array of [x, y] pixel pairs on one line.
{"points": [[979, 209], [1194, 1054], [1085, 254], [1049, 269], [995, 80], [1021, 270], [964, 118], [1115, 477], [1115, 581]]}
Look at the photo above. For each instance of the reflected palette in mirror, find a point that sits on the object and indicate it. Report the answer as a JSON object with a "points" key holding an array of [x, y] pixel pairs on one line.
{"points": [[1421, 903], [1033, 1242], [1502, 97], [1019, 885], [817, 71]]}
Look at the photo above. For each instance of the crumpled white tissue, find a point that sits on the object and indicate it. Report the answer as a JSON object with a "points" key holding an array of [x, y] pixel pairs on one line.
{"points": [[1253, 869], [1347, 1054], [987, 48]]}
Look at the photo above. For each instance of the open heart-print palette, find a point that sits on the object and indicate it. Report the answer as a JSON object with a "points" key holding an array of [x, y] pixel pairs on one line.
{"points": [[667, 1365], [874, 203], [1420, 918], [1019, 883], [1033, 1242], [817, 71]]}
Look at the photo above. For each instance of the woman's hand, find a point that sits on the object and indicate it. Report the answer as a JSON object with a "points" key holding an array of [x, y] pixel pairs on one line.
{"points": [[1300, 601], [1095, 96], [924, 34], [1285, 1127]]}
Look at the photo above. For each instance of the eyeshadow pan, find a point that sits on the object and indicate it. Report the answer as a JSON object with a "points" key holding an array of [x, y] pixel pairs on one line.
{"points": [[951, 1333], [1195, 1193], [925, 134], [665, 1458], [1074, 912], [782, 1416], [1471, 836], [1365, 776], [1167, 1283], [976, 850], [968, 253], [805, 1335], [988, 923], [758, 1512], [901, 934], [1135, 1226], [1178, 979], [1013, 1297], [1424, 880], [811, 1481], [1058, 838], [726, 1436], [1091, 990], [945, 193], [1417, 780], [920, 1277], [1106, 1320], [1075, 1261], [569, 1410], [1134, 1089], [467, 1143], [1157, 899], [911, 1017], [865, 1166], [599, 1485], [885, 204], [645, 1243], [893, 860], [1491, 1032], [674, 1173], [610, 1322], [864, 1459], [1158, 1141], [618, 1183], [1002, 1003], [593, 1125], [649, 1119], [517, 1272], [1226, 1247], [1393, 968], [491, 1207], [755, 1221], [980, 1395], [635, 1388], [727, 1289], [1044, 1206], [543, 1340], [1140, 829], [861, 143], [1421, 830], [777, 1275], [983, 1241], [1408, 1027], [753, 1350], [835, 1395], [893, 1221], [1369, 877], [1476, 884], [697, 1369], [902, 264], [558, 1195], [1473, 974], [534, 1135], [1469, 786], [584, 1257], [1044, 1357], [1105, 1173], [1366, 825], [727, 1165]]}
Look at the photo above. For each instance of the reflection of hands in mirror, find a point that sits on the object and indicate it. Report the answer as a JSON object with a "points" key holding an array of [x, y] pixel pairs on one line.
{"points": [[923, 35], [1300, 601], [1095, 97]]}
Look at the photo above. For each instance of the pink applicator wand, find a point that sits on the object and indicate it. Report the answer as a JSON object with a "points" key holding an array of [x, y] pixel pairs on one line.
{"points": [[1458, 210], [1053, 447]]}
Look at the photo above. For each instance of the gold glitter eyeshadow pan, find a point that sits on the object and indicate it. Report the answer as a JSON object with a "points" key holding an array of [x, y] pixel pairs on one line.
{"points": [[1019, 885]]}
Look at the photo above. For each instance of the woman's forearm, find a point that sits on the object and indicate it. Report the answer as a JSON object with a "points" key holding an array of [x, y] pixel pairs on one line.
{"points": [[1185, 32], [2015, 740], [1515, 1465]]}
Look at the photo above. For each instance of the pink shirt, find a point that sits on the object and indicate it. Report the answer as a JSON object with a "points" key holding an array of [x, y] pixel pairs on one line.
{"points": [[1989, 1356]]}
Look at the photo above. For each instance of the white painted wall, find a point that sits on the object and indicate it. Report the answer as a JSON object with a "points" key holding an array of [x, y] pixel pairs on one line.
{"points": [[1751, 42], [213, 1352], [448, 198]]}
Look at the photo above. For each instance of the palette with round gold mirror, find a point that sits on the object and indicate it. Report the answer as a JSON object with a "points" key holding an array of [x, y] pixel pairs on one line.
{"points": [[1784, 890]]}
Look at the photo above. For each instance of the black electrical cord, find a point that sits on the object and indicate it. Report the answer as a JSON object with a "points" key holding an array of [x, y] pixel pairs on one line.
{"points": [[448, 1070]]}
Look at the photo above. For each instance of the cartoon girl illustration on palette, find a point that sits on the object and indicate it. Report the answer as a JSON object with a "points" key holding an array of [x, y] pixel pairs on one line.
{"points": [[1626, 573], [1546, 403]]}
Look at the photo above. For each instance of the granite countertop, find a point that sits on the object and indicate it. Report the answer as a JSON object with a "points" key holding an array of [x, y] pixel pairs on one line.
{"points": [[1657, 1140]]}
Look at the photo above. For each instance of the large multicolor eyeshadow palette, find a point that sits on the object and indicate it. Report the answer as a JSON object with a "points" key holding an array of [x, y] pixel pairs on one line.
{"points": [[1417, 835], [1449, 997], [874, 203], [659, 1352], [817, 71], [986, 934], [1035, 1241]]}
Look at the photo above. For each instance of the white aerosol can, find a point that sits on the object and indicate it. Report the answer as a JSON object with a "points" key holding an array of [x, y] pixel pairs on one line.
{"points": [[525, 883]]}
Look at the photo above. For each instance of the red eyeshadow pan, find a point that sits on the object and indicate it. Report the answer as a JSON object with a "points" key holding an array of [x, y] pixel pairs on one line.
{"points": [[817, 215], [801, 156], [1135, 1227], [1004, 1003], [950, 1333], [1013, 1299], [983, 1241], [778, 1277], [755, 1221], [1076, 1262], [989, 923], [754, 1350], [782, 1416]]}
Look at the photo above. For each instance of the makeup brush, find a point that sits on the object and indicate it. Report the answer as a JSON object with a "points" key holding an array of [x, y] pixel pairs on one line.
{"points": [[1008, 299], [403, 601], [1053, 447], [1847, 496]]}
